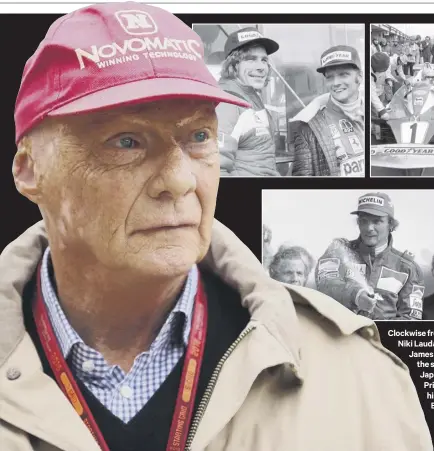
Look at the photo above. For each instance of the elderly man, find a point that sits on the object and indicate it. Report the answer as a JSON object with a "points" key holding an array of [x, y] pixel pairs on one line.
{"points": [[368, 275], [292, 265], [330, 138], [246, 135], [129, 318]]}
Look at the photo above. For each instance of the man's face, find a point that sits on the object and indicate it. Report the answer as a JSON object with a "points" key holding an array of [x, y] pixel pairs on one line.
{"points": [[135, 188], [343, 83], [253, 70], [291, 271], [374, 230]]}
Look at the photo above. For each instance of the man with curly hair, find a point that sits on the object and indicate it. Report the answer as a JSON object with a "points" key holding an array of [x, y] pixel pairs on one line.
{"points": [[246, 135], [368, 275], [292, 265]]}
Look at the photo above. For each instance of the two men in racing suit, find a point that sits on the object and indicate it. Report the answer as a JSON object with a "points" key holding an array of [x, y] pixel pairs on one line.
{"points": [[368, 275]]}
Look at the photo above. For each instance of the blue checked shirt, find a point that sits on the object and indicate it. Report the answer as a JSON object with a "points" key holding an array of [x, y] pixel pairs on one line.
{"points": [[124, 394]]}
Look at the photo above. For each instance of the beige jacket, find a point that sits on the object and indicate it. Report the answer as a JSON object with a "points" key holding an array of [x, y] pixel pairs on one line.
{"points": [[310, 378]]}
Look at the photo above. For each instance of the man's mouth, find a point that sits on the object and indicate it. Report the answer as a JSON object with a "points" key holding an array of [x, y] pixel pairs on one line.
{"points": [[339, 90], [167, 227], [258, 77]]}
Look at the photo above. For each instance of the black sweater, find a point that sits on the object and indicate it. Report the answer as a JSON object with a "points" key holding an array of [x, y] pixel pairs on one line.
{"points": [[149, 429]]}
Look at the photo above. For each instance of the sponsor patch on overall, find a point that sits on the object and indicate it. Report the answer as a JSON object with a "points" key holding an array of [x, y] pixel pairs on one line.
{"points": [[391, 280], [416, 297], [418, 290], [261, 131], [340, 150], [326, 275], [355, 270], [350, 273], [334, 131], [417, 314], [416, 302], [355, 144], [353, 167], [418, 101], [260, 117], [328, 264], [346, 126]]}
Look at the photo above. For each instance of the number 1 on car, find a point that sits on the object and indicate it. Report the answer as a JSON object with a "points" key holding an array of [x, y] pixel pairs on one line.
{"points": [[413, 132]]}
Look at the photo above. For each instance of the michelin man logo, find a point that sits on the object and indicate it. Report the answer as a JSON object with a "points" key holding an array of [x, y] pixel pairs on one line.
{"points": [[136, 22]]}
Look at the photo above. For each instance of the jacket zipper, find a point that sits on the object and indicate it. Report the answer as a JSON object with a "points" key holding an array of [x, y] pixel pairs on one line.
{"points": [[210, 388]]}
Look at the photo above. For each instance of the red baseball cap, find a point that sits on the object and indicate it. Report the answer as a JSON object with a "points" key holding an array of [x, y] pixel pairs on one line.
{"points": [[113, 54]]}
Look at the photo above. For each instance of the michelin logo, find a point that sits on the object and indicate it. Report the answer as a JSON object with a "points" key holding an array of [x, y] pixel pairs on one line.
{"points": [[371, 200]]}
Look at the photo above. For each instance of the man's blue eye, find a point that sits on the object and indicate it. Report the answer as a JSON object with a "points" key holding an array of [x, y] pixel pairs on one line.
{"points": [[200, 137], [127, 142]]}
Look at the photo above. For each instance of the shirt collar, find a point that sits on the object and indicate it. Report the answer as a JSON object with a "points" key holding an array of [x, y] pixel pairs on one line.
{"points": [[179, 319]]}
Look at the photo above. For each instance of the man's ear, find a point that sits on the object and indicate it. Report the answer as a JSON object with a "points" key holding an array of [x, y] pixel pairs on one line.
{"points": [[23, 170]]}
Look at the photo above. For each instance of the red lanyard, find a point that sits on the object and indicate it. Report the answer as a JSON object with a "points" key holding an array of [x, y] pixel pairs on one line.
{"points": [[189, 379]]}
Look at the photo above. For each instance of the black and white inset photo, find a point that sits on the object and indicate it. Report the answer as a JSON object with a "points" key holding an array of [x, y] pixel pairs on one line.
{"points": [[305, 85], [402, 100], [370, 250]]}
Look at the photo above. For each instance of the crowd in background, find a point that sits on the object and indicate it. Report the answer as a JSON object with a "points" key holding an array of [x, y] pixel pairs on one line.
{"points": [[392, 65], [411, 50]]}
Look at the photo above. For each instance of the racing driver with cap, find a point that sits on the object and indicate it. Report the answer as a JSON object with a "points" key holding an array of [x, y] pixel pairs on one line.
{"points": [[329, 137], [368, 275], [246, 135], [131, 319]]}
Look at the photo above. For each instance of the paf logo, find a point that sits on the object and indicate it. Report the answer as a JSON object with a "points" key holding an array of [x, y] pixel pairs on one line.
{"points": [[136, 22], [346, 126]]}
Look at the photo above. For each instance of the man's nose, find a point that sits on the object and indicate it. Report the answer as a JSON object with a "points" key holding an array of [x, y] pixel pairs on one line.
{"points": [[370, 226], [261, 65], [336, 80], [174, 175]]}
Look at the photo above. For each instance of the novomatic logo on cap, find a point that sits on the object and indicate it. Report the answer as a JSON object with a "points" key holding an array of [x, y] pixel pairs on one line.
{"points": [[136, 22]]}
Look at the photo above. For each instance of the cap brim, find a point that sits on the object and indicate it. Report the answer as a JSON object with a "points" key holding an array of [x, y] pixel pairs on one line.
{"points": [[322, 69], [269, 45], [143, 91], [370, 212]]}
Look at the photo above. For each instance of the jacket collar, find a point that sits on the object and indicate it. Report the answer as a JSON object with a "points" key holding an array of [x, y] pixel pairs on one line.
{"points": [[269, 302], [308, 112], [365, 250], [247, 93], [36, 405]]}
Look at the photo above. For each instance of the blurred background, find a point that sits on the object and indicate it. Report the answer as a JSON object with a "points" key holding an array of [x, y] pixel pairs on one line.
{"points": [[313, 218], [301, 46]]}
